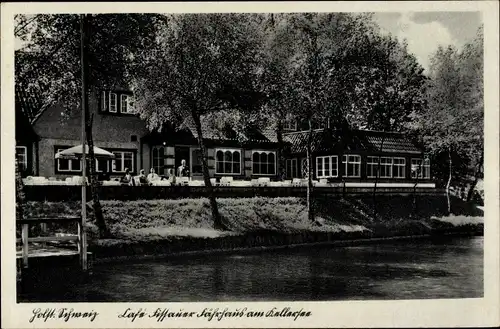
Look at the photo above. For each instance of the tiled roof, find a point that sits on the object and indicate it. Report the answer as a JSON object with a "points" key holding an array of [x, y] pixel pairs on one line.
{"points": [[210, 132], [27, 109], [393, 143], [325, 140], [29, 105]]}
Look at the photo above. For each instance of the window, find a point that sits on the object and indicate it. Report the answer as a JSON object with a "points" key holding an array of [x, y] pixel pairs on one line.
{"points": [[385, 167], [352, 165], [101, 165], [389, 167], [113, 102], [327, 166], [264, 163], [22, 157], [419, 169], [158, 159], [291, 168], [399, 167], [123, 160], [427, 169], [290, 125], [126, 103], [65, 165], [196, 162], [228, 161], [319, 125], [371, 167]]}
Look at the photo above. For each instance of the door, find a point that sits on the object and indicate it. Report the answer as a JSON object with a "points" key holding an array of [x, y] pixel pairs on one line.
{"points": [[181, 153]]}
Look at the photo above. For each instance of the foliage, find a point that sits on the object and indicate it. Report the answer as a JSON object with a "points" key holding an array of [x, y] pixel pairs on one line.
{"points": [[453, 119], [19, 194], [200, 64], [48, 66], [389, 88]]}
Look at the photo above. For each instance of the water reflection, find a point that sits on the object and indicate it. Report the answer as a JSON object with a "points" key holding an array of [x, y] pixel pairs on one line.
{"points": [[404, 270]]}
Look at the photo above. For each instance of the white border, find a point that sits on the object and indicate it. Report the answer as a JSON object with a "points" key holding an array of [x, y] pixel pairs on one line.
{"points": [[406, 313]]}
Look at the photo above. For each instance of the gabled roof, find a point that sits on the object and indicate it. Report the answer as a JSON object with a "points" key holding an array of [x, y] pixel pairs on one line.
{"points": [[29, 104], [329, 140], [249, 135], [187, 134], [26, 110]]}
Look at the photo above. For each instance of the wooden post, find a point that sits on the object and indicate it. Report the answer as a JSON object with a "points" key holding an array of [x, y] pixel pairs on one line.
{"points": [[82, 246], [81, 227], [24, 236], [79, 241], [83, 239]]}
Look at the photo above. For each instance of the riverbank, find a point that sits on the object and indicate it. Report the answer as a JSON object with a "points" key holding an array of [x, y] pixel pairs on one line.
{"points": [[158, 228]]}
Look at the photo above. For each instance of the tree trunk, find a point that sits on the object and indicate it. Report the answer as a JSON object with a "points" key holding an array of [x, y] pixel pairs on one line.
{"points": [[94, 183], [449, 180], [218, 223], [415, 191], [470, 193], [19, 193], [310, 206], [377, 176], [281, 154]]}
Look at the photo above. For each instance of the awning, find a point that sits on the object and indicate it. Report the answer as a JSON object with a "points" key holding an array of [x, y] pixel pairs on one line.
{"points": [[75, 152]]}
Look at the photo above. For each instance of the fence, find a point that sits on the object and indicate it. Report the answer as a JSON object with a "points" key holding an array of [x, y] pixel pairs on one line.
{"points": [[73, 193]]}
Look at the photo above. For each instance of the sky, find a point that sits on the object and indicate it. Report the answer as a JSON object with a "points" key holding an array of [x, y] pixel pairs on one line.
{"points": [[426, 31]]}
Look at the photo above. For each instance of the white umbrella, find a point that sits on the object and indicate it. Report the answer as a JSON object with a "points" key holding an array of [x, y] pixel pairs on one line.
{"points": [[75, 152]]}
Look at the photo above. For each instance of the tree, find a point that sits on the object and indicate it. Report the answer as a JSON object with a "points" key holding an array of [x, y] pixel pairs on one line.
{"points": [[277, 50], [19, 193], [390, 89], [452, 124], [49, 66], [471, 63], [440, 123], [330, 57], [200, 65]]}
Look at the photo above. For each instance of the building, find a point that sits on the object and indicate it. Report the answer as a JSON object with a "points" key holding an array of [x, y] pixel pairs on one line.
{"points": [[356, 156], [114, 128], [349, 155], [26, 138], [117, 129]]}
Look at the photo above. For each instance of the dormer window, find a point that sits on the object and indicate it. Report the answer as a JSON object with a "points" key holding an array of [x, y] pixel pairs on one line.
{"points": [[115, 102], [126, 103], [290, 125]]}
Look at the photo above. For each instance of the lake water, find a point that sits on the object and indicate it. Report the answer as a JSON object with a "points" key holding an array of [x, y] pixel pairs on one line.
{"points": [[450, 268]]}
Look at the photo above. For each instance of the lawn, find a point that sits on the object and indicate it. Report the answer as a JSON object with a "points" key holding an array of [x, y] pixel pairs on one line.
{"points": [[147, 220]]}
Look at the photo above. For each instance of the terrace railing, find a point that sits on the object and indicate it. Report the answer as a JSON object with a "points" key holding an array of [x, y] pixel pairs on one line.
{"points": [[79, 238]]}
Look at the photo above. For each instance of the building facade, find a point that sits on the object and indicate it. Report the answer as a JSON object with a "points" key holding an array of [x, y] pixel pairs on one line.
{"points": [[349, 155], [356, 156], [26, 138]]}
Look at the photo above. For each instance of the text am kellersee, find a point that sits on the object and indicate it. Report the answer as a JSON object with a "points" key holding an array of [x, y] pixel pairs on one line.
{"points": [[209, 314]]}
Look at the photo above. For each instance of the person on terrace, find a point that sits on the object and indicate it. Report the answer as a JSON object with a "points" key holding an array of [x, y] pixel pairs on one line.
{"points": [[128, 179], [152, 176], [142, 177], [183, 170]]}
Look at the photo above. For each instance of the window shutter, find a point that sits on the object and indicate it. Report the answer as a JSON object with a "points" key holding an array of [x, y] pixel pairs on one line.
{"points": [[104, 101]]}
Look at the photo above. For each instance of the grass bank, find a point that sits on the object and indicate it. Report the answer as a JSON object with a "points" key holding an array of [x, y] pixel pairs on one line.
{"points": [[168, 226]]}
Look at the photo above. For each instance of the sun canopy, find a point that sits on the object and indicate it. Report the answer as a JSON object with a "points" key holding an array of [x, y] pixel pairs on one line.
{"points": [[75, 152]]}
